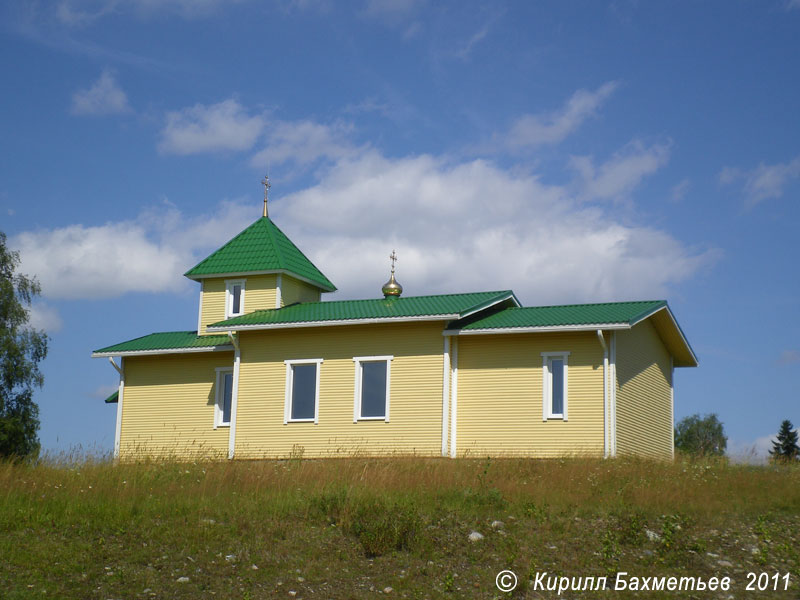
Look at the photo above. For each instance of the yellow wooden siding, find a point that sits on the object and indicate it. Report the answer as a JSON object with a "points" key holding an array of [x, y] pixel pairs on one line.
{"points": [[168, 406], [500, 396], [259, 293], [415, 408], [644, 411], [293, 290]]}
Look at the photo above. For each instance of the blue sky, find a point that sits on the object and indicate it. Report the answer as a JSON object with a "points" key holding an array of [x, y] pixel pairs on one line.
{"points": [[570, 151]]}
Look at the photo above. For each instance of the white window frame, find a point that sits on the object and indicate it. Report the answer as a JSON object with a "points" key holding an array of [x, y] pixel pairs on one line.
{"points": [[219, 397], [547, 385], [357, 392], [229, 283], [287, 408]]}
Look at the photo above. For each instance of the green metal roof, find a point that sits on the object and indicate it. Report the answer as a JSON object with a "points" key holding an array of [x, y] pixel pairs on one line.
{"points": [[113, 398], [187, 341], [260, 247], [447, 306], [610, 313]]}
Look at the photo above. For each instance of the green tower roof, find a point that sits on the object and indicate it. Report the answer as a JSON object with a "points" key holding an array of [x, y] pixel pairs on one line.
{"points": [[260, 248]]}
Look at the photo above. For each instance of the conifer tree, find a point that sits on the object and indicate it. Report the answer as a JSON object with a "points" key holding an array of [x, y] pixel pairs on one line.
{"points": [[785, 447]]}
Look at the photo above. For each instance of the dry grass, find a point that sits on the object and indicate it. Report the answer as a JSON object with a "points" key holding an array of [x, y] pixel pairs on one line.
{"points": [[335, 528]]}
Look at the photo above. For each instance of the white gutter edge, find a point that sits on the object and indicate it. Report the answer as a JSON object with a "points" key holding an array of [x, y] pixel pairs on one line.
{"points": [[234, 394], [588, 327], [118, 428], [606, 411]]}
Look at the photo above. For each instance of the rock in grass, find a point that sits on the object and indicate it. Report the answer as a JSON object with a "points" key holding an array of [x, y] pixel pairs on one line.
{"points": [[475, 536], [497, 525], [652, 535], [387, 590], [182, 580]]}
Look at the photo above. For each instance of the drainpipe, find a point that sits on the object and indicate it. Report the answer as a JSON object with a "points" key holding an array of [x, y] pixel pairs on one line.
{"points": [[118, 430], [606, 423], [234, 392]]}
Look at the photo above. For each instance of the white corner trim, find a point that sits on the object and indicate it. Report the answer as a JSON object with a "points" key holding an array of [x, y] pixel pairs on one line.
{"points": [[445, 393], [200, 311], [612, 367], [118, 428], [606, 396], [287, 407], [454, 400], [278, 291], [357, 360], [672, 403], [237, 359]]}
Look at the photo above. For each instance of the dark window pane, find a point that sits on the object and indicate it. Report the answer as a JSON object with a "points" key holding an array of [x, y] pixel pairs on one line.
{"points": [[304, 390], [227, 396], [236, 300], [557, 371], [373, 389]]}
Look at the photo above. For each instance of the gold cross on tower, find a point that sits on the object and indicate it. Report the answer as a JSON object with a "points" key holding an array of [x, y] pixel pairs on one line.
{"points": [[393, 258], [266, 184]]}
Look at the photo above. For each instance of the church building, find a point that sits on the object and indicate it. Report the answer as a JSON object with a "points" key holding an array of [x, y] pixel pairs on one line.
{"points": [[275, 371]]}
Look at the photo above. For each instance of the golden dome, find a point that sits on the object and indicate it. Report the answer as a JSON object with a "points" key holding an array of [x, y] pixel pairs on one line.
{"points": [[392, 288]]}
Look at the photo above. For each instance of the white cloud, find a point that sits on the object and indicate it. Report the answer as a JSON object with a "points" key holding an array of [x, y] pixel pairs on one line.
{"points": [[476, 38], [85, 12], [791, 4], [680, 190], [618, 176], [789, 357], [104, 97], [553, 127], [148, 254], [102, 392], [391, 9], [44, 316], [750, 451], [474, 226], [210, 128], [765, 181], [304, 143]]}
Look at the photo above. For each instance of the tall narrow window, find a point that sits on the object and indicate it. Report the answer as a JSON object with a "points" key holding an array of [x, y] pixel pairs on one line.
{"points": [[554, 385], [372, 388], [234, 298], [302, 391], [224, 397]]}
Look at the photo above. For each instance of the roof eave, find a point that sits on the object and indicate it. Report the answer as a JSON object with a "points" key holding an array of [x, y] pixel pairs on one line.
{"points": [[502, 297], [317, 284], [222, 327], [693, 360], [222, 348], [537, 329]]}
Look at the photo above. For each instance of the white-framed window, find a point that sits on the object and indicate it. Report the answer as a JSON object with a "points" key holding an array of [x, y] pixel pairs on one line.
{"points": [[224, 397], [234, 297], [554, 385], [302, 391], [371, 401]]}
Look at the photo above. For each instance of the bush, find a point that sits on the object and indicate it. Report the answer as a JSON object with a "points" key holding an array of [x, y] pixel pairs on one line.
{"points": [[701, 436]]}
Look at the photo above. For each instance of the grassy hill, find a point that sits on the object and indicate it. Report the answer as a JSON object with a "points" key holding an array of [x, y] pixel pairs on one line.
{"points": [[370, 528]]}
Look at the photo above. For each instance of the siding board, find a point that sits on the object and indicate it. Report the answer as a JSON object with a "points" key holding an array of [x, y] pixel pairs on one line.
{"points": [[500, 396], [168, 408], [644, 411], [415, 425]]}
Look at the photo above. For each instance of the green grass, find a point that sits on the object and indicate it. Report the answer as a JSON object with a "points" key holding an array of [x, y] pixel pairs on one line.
{"points": [[349, 528]]}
